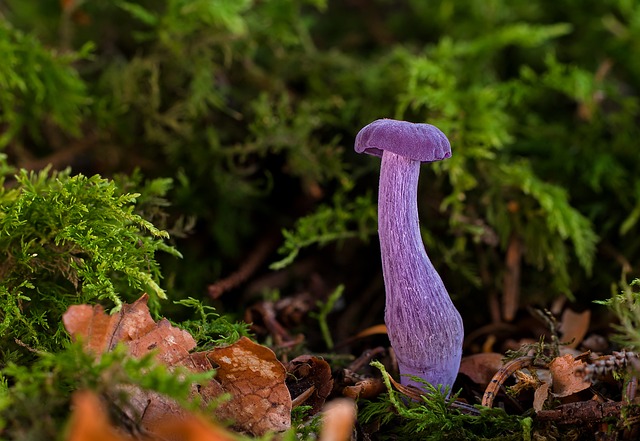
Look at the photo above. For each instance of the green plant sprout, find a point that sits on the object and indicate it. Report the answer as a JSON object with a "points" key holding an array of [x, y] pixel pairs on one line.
{"points": [[626, 306], [324, 309]]}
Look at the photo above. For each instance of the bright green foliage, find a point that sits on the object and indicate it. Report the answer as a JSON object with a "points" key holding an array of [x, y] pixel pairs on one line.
{"points": [[253, 106], [343, 220], [626, 306], [36, 84], [37, 404], [209, 328], [435, 419], [303, 427], [455, 82], [180, 91], [66, 240], [544, 219]]}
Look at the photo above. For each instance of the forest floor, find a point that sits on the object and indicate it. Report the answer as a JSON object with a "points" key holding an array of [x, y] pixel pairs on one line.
{"points": [[544, 376]]}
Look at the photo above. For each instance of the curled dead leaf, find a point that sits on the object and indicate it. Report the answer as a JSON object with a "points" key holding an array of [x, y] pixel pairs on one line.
{"points": [[190, 428], [89, 420], [540, 396], [306, 372], [367, 389], [563, 373], [132, 325]]}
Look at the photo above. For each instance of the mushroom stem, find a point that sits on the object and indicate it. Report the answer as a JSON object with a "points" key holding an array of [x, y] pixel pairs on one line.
{"points": [[424, 327]]}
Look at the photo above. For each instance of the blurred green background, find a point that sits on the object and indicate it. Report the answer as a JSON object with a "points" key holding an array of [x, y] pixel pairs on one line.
{"points": [[250, 109]]}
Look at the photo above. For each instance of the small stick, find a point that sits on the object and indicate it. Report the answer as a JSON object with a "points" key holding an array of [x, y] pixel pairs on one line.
{"points": [[501, 376], [248, 267]]}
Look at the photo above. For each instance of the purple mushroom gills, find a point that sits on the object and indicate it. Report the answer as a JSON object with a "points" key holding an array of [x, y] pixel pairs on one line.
{"points": [[424, 327]]}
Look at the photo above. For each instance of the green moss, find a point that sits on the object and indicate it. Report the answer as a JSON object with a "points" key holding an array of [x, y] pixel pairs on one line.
{"points": [[433, 418], [68, 240], [209, 328], [626, 306]]}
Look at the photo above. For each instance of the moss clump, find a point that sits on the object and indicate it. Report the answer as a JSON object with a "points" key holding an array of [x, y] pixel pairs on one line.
{"points": [[65, 240]]}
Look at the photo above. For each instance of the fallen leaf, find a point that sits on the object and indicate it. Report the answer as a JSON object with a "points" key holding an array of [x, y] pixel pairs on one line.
{"points": [[540, 396], [255, 378], [481, 368], [260, 401], [132, 325], [373, 330], [89, 420], [563, 373], [307, 372], [574, 327], [191, 428]]}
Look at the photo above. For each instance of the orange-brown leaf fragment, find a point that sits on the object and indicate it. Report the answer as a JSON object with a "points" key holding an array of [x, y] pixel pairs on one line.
{"points": [[172, 344], [255, 378], [563, 373], [89, 420], [132, 325], [190, 428], [540, 396], [92, 325], [366, 388]]}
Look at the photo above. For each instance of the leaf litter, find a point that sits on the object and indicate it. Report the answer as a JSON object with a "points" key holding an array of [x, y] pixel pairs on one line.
{"points": [[255, 392], [249, 373]]}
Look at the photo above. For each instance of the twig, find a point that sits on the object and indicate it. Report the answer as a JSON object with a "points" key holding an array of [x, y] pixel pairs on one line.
{"points": [[501, 376], [256, 257]]}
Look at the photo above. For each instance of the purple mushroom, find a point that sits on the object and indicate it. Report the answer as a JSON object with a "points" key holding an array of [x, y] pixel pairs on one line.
{"points": [[424, 327]]}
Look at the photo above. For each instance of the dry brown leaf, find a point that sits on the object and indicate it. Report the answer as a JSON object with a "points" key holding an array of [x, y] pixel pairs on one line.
{"points": [[540, 396], [366, 389], [132, 325], [481, 368], [89, 420], [564, 378], [574, 326], [249, 372], [306, 372], [190, 428], [252, 374]]}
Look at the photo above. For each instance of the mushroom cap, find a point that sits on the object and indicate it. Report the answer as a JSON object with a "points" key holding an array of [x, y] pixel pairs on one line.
{"points": [[417, 141]]}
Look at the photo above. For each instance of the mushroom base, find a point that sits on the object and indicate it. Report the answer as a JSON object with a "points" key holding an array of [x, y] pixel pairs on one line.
{"points": [[440, 377]]}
